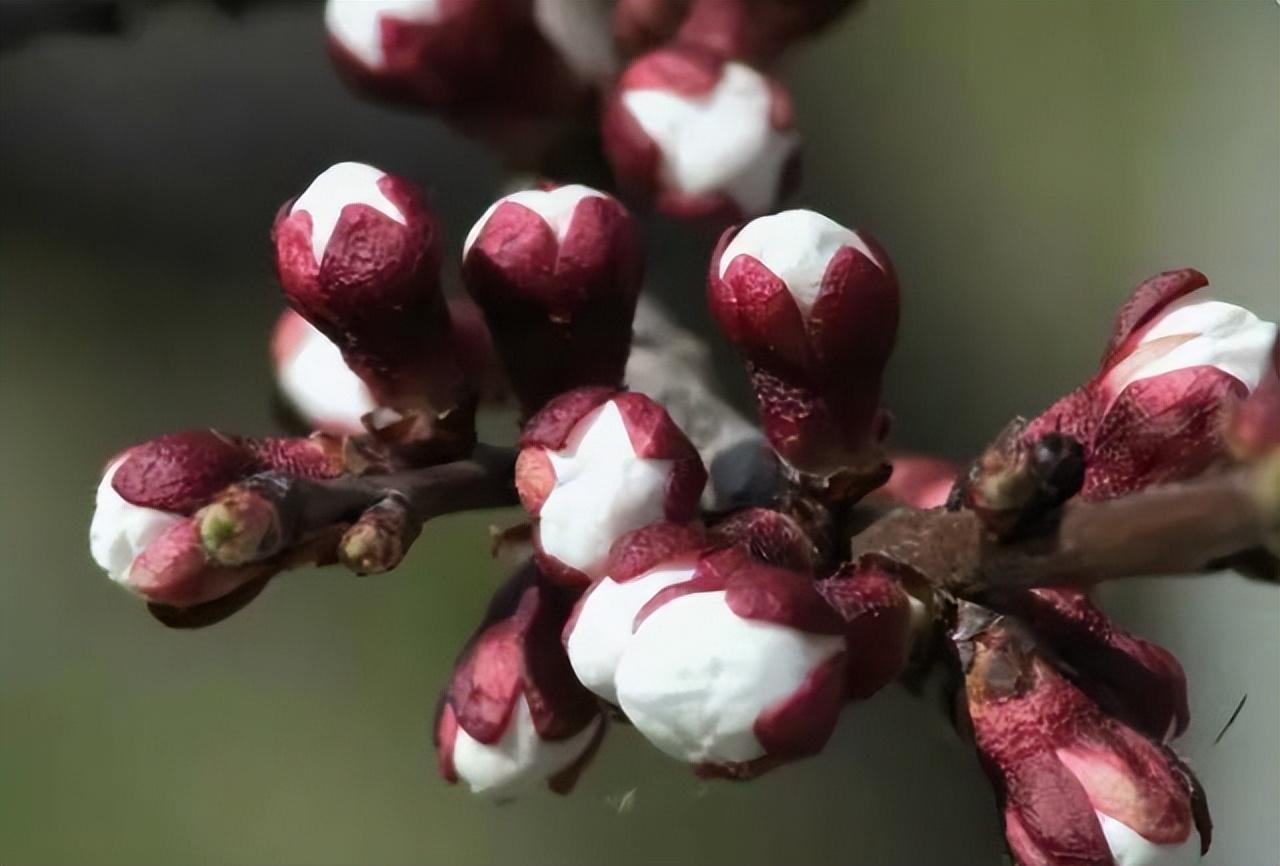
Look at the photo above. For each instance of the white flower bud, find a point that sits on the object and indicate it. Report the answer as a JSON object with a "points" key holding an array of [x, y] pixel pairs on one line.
{"points": [[120, 530], [520, 759], [345, 183], [720, 142], [601, 489], [357, 24], [315, 380], [1197, 331], [603, 624], [695, 678], [796, 246]]}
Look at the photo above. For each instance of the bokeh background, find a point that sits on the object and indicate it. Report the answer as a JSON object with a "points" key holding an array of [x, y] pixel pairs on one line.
{"points": [[1024, 163]]}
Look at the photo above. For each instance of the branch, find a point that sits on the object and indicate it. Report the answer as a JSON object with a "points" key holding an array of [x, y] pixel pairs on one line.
{"points": [[273, 512], [1170, 529]]}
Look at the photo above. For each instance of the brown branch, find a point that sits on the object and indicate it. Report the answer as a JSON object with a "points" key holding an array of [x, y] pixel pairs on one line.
{"points": [[273, 512], [1171, 529]]}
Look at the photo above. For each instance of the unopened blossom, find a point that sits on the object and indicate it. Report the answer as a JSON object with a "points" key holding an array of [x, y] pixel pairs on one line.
{"points": [[595, 464], [557, 273], [813, 308], [1178, 363], [740, 668], [513, 73], [325, 394], [1076, 786], [513, 716], [700, 136], [314, 380], [358, 255], [438, 53], [640, 564], [774, 537], [143, 533], [1138, 682]]}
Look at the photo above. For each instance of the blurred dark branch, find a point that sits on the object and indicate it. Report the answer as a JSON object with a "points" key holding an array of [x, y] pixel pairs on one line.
{"points": [[1166, 530]]}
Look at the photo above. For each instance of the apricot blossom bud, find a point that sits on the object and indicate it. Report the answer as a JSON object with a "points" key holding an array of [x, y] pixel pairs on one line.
{"points": [[428, 52], [813, 309], [736, 670], [1074, 784], [557, 273], [595, 464], [1177, 365], [314, 381], [358, 255], [143, 534], [513, 716], [702, 137], [1136, 681], [641, 563]]}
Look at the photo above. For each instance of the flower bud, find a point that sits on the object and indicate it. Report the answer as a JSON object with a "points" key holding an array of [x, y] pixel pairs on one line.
{"points": [[813, 308], [314, 381], [1075, 784], [323, 393], [557, 273], [772, 537], [595, 464], [736, 670], [1177, 364], [441, 55], [702, 137], [517, 74], [1133, 680], [142, 534], [358, 256], [513, 716], [640, 564]]}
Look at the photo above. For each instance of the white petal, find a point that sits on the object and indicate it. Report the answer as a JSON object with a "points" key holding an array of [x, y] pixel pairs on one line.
{"points": [[796, 245], [1222, 335], [1130, 849], [121, 530], [320, 386], [555, 206], [695, 677], [335, 188], [604, 625], [602, 491], [721, 141], [520, 759], [356, 24]]}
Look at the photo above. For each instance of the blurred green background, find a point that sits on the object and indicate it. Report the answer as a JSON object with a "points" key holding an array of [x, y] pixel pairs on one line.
{"points": [[1024, 163]]}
